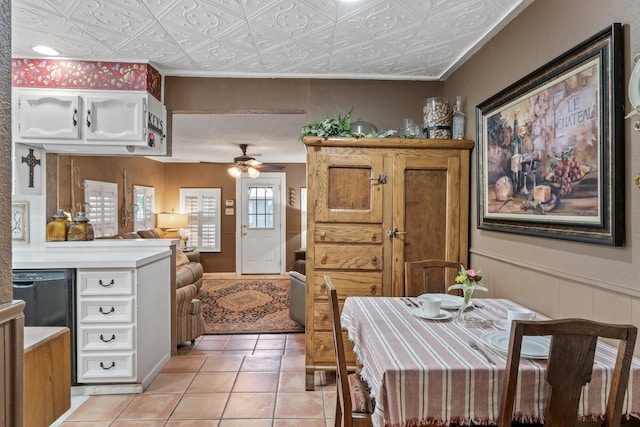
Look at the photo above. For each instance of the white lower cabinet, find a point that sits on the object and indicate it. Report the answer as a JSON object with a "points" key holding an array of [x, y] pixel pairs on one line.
{"points": [[118, 341]]}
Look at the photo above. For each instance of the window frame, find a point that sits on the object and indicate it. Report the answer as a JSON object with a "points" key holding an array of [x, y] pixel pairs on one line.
{"points": [[107, 201]]}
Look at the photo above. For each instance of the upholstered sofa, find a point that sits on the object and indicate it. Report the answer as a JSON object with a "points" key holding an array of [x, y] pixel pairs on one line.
{"points": [[189, 271], [189, 318]]}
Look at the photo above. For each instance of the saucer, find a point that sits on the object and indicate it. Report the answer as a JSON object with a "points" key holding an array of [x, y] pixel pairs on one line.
{"points": [[502, 324], [440, 316]]}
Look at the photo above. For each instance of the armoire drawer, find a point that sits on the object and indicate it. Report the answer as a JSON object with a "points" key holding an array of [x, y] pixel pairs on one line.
{"points": [[347, 233], [324, 352], [348, 257], [361, 284]]}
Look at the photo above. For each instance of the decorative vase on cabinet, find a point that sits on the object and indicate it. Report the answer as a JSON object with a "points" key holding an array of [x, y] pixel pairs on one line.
{"points": [[375, 203]]}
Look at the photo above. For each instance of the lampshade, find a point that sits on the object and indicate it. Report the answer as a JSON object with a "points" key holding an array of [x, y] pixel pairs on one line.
{"points": [[236, 171], [172, 220]]}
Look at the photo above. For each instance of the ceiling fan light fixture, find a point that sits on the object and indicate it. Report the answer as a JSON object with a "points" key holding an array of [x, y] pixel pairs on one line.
{"points": [[235, 171], [253, 172]]}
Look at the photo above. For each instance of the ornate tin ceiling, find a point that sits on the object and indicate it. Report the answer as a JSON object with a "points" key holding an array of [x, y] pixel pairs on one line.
{"points": [[390, 39]]}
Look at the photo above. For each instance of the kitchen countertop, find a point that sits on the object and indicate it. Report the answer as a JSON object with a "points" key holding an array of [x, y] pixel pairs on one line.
{"points": [[125, 253]]}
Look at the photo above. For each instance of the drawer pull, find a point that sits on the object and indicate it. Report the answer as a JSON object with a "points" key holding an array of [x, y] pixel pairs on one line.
{"points": [[374, 237], [374, 260], [113, 337], [113, 365], [322, 347], [108, 284], [107, 312], [323, 285], [323, 316], [323, 259], [373, 289], [323, 235]]}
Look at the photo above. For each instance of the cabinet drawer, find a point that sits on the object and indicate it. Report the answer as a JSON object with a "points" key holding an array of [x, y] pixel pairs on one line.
{"points": [[95, 338], [107, 367], [348, 257], [322, 317], [106, 310], [361, 284], [105, 282], [351, 233], [323, 346]]}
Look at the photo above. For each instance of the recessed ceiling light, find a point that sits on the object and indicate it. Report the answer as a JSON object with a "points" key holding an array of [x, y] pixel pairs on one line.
{"points": [[45, 50]]}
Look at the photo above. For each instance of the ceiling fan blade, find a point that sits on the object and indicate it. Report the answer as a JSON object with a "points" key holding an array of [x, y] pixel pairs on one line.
{"points": [[265, 167]]}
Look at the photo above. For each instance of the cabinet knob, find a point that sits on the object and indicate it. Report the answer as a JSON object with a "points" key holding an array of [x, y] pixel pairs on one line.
{"points": [[373, 289], [374, 237], [323, 235], [322, 347], [323, 258], [323, 285], [323, 316], [374, 260]]}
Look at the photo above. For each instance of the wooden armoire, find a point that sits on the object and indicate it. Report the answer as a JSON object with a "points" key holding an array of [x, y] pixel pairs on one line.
{"points": [[372, 204]]}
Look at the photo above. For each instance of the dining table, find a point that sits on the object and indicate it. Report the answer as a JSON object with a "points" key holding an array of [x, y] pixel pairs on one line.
{"points": [[426, 371]]}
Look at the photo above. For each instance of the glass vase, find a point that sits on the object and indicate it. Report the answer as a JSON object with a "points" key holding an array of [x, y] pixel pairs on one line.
{"points": [[466, 303]]}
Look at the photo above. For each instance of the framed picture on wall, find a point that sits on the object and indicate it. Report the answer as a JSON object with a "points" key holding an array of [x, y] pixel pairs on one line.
{"points": [[551, 147], [20, 222]]}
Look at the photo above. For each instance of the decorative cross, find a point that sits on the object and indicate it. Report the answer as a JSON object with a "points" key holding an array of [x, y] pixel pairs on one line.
{"points": [[32, 162]]}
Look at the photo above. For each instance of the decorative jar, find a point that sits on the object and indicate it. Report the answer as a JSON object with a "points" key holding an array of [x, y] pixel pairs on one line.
{"points": [[80, 229], [437, 118], [57, 227]]}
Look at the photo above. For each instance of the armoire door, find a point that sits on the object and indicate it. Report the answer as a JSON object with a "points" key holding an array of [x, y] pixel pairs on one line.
{"points": [[426, 212], [349, 187]]}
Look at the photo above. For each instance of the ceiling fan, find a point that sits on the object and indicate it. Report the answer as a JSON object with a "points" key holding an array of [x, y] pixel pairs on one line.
{"points": [[245, 163]]}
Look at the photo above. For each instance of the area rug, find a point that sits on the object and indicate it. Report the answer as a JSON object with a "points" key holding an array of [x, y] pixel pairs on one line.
{"points": [[244, 306]]}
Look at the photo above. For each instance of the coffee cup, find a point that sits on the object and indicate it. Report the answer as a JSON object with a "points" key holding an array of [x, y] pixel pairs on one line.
{"points": [[430, 305], [519, 313]]}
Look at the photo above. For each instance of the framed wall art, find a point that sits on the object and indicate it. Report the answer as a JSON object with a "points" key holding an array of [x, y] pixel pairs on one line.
{"points": [[20, 222], [551, 147]]}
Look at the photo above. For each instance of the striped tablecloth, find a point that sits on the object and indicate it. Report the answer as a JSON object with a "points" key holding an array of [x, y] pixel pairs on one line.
{"points": [[424, 371]]}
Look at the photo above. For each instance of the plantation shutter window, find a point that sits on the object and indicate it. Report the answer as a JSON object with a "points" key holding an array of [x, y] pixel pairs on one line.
{"points": [[202, 206], [144, 199], [102, 207]]}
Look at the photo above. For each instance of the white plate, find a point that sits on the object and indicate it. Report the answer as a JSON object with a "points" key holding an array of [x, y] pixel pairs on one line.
{"points": [[441, 316], [634, 86], [532, 347], [449, 302]]}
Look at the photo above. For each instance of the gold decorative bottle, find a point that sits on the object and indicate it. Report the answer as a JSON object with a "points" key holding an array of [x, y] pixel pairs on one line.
{"points": [[57, 227], [80, 229]]}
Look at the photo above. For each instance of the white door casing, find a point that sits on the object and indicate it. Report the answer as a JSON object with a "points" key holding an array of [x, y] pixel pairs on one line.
{"points": [[260, 224]]}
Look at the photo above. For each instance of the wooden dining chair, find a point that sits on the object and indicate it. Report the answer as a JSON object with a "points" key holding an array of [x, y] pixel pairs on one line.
{"points": [[427, 276], [353, 404], [570, 363]]}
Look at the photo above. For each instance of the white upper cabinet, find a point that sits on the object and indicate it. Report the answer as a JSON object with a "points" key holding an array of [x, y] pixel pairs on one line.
{"points": [[116, 118], [91, 122], [48, 116]]}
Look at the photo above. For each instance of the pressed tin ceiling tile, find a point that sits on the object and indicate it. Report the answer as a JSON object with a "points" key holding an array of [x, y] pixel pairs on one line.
{"points": [[398, 39]]}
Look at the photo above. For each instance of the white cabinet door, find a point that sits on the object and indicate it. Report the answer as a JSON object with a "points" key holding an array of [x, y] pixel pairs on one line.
{"points": [[42, 116], [116, 118]]}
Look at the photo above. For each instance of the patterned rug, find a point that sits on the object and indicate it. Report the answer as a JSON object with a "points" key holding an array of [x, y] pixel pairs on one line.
{"points": [[247, 306]]}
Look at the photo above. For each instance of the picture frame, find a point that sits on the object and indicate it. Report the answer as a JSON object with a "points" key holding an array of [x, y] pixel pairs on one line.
{"points": [[550, 159], [20, 222]]}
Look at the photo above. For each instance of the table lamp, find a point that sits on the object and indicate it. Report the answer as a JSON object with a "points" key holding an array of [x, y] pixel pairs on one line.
{"points": [[171, 223]]}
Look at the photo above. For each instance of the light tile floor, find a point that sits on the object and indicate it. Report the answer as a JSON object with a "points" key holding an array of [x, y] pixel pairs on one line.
{"points": [[222, 381]]}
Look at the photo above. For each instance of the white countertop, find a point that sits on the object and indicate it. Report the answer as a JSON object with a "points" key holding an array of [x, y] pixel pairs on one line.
{"points": [[125, 253]]}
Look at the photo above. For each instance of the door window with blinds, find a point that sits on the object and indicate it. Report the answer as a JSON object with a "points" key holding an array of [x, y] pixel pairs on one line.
{"points": [[202, 205], [144, 206], [102, 208]]}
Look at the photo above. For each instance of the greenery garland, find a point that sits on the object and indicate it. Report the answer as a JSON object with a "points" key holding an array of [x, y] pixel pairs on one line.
{"points": [[338, 125]]}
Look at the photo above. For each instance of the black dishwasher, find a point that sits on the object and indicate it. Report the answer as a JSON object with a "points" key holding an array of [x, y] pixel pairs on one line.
{"points": [[49, 295]]}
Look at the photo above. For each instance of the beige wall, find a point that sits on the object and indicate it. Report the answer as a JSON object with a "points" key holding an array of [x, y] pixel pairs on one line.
{"points": [[559, 278]]}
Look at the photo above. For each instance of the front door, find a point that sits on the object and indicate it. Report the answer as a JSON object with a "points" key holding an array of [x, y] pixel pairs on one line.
{"points": [[260, 223]]}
